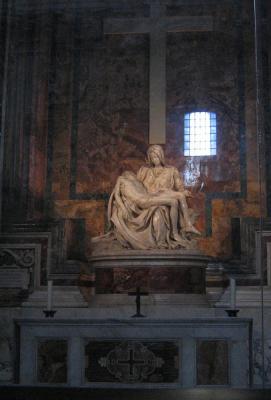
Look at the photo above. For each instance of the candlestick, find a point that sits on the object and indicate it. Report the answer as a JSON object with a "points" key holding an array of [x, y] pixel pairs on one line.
{"points": [[49, 295], [232, 293], [232, 313], [49, 313]]}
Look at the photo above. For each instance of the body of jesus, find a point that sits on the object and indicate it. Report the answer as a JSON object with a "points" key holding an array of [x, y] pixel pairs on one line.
{"points": [[130, 192]]}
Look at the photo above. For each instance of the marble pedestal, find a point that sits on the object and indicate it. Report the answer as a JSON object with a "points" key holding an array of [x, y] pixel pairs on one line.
{"points": [[158, 272]]}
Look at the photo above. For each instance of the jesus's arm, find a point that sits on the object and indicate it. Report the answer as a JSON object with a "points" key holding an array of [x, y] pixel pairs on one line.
{"points": [[178, 183], [118, 197]]}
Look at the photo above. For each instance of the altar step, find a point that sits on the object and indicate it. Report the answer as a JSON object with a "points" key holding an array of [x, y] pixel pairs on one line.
{"points": [[71, 297]]}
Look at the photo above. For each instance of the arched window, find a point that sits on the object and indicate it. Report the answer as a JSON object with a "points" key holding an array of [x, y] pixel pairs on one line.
{"points": [[200, 134]]}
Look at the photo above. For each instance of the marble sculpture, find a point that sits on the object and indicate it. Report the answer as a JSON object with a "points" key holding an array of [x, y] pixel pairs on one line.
{"points": [[150, 211]]}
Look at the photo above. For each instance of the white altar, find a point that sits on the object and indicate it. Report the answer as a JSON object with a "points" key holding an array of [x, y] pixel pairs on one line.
{"points": [[138, 353]]}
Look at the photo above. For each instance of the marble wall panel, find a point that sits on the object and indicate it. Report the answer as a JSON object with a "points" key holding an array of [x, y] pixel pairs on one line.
{"points": [[198, 80], [132, 362], [92, 211], [3, 25], [38, 127], [212, 362], [209, 86], [18, 87], [60, 102], [113, 111], [83, 96], [154, 280], [6, 351], [267, 98], [52, 361], [220, 243]]}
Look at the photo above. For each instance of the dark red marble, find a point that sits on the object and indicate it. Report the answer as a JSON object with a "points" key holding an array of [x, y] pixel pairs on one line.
{"points": [[154, 280]]}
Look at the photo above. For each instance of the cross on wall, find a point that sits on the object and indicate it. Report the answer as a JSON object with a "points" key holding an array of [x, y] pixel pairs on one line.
{"points": [[157, 26]]}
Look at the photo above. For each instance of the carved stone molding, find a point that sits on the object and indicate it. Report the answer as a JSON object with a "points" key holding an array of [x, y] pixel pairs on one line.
{"points": [[20, 265], [17, 257]]}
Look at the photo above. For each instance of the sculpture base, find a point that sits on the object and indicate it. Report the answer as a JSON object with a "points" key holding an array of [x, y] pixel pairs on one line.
{"points": [[159, 271]]}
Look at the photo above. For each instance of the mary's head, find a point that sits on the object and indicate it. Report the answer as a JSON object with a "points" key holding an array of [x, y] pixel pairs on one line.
{"points": [[156, 155]]}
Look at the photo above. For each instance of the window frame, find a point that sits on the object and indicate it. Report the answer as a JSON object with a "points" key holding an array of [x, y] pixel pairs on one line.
{"points": [[198, 110]]}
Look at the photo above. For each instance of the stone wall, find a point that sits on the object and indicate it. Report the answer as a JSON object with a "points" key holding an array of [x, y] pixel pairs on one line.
{"points": [[77, 111]]}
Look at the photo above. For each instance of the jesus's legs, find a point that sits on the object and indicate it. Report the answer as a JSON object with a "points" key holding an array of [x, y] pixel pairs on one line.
{"points": [[183, 203], [164, 200]]}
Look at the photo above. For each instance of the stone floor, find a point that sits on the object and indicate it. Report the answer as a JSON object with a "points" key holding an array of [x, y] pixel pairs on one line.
{"points": [[42, 393]]}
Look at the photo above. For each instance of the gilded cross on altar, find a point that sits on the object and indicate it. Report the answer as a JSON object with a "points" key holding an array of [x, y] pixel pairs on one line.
{"points": [[157, 25]]}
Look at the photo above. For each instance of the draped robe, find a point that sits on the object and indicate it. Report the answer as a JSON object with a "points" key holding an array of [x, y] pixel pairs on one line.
{"points": [[141, 228]]}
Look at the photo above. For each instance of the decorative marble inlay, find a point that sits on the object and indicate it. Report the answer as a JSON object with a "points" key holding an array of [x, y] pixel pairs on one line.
{"points": [[6, 364], [131, 361], [212, 362], [52, 361], [167, 344]]}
